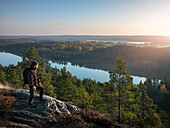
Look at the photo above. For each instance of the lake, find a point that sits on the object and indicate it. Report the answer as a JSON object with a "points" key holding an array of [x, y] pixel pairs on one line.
{"points": [[79, 72]]}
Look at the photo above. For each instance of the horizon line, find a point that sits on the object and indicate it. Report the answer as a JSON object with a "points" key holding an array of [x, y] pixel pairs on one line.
{"points": [[80, 35]]}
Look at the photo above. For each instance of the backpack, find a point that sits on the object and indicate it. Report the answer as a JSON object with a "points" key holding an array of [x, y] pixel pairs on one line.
{"points": [[25, 76]]}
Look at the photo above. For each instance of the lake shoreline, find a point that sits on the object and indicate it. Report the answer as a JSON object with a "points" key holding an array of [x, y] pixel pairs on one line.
{"points": [[80, 72]]}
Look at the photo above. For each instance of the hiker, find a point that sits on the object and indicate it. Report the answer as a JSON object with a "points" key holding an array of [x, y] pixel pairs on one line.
{"points": [[34, 82]]}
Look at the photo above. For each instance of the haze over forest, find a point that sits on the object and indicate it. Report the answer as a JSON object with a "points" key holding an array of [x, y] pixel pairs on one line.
{"points": [[147, 56]]}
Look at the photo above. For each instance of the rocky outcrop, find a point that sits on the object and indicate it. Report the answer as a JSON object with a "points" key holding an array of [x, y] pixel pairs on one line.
{"points": [[42, 113], [51, 113]]}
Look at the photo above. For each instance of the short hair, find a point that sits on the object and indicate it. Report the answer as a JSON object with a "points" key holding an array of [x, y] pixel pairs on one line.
{"points": [[34, 63]]}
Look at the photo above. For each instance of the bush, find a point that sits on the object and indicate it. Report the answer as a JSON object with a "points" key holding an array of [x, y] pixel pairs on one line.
{"points": [[7, 93], [7, 100], [83, 119], [68, 121], [97, 118]]}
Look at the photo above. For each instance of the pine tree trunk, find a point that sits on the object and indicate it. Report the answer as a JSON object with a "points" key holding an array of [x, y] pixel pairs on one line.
{"points": [[119, 101]]}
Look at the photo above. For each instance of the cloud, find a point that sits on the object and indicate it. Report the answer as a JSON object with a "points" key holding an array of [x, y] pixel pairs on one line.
{"points": [[120, 17]]}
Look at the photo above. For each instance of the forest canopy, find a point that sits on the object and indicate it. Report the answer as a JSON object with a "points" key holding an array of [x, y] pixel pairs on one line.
{"points": [[142, 60], [143, 105]]}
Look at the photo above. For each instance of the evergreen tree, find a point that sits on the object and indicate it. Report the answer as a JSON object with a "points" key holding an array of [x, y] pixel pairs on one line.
{"points": [[122, 80], [12, 77], [130, 108], [109, 96], [94, 91], [142, 86], [2, 76], [147, 111], [45, 77], [32, 53], [84, 98], [64, 87], [118, 97]]}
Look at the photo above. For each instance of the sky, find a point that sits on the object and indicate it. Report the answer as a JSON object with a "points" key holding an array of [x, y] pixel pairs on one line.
{"points": [[85, 17]]}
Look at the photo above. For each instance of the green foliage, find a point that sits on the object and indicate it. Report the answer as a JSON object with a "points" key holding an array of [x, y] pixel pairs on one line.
{"points": [[84, 100], [141, 60], [109, 102], [119, 98], [128, 101], [32, 53], [160, 94], [65, 89], [94, 90], [122, 81], [49, 90], [2, 77], [165, 118], [147, 111]]}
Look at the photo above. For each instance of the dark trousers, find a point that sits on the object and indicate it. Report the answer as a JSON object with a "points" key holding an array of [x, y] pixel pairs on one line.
{"points": [[40, 88]]}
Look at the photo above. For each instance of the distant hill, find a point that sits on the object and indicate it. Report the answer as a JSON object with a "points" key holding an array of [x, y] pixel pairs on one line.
{"points": [[147, 61], [114, 38], [142, 61]]}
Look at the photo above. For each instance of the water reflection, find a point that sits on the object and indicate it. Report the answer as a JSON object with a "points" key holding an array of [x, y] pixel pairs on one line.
{"points": [[94, 74], [79, 72], [82, 72], [8, 58]]}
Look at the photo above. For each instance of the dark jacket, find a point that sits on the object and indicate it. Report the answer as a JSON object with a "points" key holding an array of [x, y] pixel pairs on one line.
{"points": [[33, 78]]}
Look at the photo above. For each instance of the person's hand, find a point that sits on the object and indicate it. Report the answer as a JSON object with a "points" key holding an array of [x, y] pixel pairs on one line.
{"points": [[34, 87]]}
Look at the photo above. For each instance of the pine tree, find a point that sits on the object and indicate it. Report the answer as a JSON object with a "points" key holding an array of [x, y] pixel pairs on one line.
{"points": [[2, 77], [84, 98], [122, 80], [109, 96], [64, 87], [32, 53], [147, 111]]}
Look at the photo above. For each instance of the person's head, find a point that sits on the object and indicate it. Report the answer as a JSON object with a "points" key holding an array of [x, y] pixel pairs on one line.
{"points": [[34, 65]]}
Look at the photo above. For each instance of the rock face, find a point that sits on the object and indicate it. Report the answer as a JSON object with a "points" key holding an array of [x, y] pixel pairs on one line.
{"points": [[40, 114]]}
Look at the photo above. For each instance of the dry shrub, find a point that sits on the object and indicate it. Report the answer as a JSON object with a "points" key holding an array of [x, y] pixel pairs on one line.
{"points": [[7, 100], [97, 118], [7, 93], [72, 103], [68, 121]]}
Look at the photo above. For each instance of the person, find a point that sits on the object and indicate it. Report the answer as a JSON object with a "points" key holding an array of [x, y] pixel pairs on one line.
{"points": [[34, 82]]}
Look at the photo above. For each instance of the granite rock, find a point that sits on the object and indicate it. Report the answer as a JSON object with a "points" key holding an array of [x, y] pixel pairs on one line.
{"points": [[42, 113]]}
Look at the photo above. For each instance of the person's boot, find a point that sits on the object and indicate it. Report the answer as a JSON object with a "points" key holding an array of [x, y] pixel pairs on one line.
{"points": [[41, 97], [30, 102]]}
